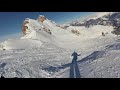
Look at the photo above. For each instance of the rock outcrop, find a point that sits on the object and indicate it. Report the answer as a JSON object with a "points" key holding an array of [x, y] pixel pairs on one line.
{"points": [[24, 27], [47, 30], [41, 18], [75, 32], [29, 25]]}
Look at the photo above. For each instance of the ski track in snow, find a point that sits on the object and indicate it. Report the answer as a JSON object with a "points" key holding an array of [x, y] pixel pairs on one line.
{"points": [[52, 62]]}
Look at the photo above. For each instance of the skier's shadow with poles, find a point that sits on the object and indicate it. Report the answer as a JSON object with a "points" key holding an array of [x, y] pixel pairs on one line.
{"points": [[74, 70]]}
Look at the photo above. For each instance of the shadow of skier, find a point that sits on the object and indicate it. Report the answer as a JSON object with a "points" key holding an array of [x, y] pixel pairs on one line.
{"points": [[74, 70]]}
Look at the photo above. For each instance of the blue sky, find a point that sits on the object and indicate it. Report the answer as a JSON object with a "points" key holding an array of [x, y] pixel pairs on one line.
{"points": [[11, 22]]}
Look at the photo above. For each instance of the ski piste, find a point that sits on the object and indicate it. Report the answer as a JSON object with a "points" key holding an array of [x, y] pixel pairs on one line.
{"points": [[44, 50]]}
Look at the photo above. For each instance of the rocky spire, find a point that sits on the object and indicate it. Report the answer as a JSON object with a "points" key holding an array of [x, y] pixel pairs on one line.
{"points": [[41, 18], [24, 27]]}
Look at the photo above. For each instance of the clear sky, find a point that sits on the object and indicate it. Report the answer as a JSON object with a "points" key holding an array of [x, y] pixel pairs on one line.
{"points": [[11, 22]]}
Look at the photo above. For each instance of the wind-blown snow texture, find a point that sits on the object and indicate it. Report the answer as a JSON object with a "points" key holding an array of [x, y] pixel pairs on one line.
{"points": [[39, 54]]}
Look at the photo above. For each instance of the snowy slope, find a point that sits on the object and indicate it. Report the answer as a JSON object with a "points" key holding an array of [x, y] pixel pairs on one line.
{"points": [[22, 44], [51, 61], [39, 54]]}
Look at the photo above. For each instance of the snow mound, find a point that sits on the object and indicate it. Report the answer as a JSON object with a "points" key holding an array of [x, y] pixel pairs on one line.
{"points": [[22, 44]]}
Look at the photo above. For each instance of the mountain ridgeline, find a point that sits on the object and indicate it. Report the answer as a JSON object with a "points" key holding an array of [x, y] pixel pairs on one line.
{"points": [[45, 30], [109, 19], [103, 18]]}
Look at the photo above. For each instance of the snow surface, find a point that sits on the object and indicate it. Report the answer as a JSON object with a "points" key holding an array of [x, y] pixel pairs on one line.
{"points": [[41, 55]]}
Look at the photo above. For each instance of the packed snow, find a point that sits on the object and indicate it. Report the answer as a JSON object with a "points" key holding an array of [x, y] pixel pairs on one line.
{"points": [[41, 55]]}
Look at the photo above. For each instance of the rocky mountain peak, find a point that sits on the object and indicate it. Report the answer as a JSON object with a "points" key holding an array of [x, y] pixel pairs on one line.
{"points": [[41, 18]]}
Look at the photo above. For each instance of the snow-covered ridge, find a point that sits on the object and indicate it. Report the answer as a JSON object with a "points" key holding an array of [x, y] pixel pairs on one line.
{"points": [[45, 30]]}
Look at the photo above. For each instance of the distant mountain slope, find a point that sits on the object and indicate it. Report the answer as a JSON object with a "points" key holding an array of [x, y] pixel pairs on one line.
{"points": [[102, 18]]}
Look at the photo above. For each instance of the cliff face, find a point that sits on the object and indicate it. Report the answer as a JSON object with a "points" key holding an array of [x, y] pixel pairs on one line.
{"points": [[24, 27]]}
